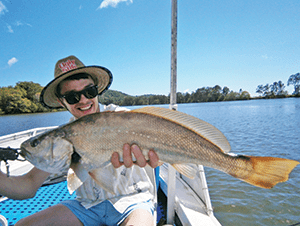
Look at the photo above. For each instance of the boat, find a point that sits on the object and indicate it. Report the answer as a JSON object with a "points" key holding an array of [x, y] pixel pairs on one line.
{"points": [[191, 201]]}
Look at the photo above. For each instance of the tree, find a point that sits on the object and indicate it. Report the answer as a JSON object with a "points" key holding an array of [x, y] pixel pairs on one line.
{"points": [[281, 88], [295, 80], [30, 88], [180, 98], [225, 91], [260, 89], [128, 101], [216, 93], [266, 90], [245, 95], [274, 89], [12, 101], [140, 100], [232, 96]]}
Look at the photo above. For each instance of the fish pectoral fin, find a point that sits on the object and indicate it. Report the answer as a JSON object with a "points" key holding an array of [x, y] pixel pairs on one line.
{"points": [[76, 176], [73, 181], [188, 170], [104, 180]]}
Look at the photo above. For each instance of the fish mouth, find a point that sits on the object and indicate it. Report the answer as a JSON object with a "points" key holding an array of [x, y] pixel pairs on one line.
{"points": [[23, 152]]}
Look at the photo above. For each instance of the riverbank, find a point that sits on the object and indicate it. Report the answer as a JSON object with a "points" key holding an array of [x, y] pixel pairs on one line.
{"points": [[158, 100]]}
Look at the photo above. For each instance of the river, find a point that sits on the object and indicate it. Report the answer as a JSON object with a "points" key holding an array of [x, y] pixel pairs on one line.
{"points": [[255, 127]]}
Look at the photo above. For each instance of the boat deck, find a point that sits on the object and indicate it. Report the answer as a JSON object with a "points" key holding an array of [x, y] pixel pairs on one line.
{"points": [[46, 196]]}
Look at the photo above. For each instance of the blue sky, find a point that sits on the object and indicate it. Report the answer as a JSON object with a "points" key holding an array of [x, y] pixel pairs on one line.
{"points": [[233, 43]]}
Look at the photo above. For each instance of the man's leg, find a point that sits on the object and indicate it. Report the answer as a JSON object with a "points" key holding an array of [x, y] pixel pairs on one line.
{"points": [[54, 215], [140, 217]]}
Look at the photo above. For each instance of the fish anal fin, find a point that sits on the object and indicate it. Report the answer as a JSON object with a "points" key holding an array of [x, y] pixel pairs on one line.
{"points": [[269, 171], [188, 170]]}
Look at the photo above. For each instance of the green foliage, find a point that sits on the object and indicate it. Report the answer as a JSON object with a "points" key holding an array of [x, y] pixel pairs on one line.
{"points": [[274, 90], [30, 89], [23, 98], [295, 80], [111, 96]]}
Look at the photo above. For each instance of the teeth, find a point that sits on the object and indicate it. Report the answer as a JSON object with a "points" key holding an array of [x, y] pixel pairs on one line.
{"points": [[86, 108]]}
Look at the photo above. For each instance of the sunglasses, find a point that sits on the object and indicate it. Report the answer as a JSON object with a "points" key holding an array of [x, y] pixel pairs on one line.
{"points": [[74, 97]]}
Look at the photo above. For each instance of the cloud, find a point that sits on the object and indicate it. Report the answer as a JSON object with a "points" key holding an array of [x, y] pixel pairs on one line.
{"points": [[3, 9], [12, 61], [265, 57], [10, 30], [112, 3], [186, 91], [16, 24], [19, 23]]}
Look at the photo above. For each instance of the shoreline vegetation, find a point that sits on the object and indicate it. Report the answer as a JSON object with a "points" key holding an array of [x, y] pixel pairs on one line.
{"points": [[24, 96]]}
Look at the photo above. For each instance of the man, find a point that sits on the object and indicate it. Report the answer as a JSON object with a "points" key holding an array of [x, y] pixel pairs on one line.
{"points": [[75, 88]]}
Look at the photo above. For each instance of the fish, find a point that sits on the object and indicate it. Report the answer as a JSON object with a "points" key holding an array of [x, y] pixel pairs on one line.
{"points": [[178, 138]]}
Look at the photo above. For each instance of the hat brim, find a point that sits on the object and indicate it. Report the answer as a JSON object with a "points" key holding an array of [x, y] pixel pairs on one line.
{"points": [[101, 75]]}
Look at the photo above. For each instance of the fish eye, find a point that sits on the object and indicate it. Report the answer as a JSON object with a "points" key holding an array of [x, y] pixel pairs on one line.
{"points": [[34, 143]]}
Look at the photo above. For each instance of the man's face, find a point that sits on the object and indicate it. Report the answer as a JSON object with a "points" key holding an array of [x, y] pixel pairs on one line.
{"points": [[85, 106]]}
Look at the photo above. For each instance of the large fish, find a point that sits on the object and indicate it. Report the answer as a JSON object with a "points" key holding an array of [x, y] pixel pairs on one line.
{"points": [[178, 139]]}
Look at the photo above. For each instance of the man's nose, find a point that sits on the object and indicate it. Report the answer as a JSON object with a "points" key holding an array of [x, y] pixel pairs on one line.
{"points": [[83, 98]]}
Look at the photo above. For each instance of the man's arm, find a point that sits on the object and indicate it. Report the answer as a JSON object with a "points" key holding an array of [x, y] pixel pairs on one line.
{"points": [[24, 186], [140, 159]]}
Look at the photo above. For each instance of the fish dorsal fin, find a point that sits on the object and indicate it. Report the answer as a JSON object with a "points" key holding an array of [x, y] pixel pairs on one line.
{"points": [[192, 123]]}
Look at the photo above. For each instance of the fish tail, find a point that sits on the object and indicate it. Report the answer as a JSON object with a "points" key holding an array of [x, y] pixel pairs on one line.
{"points": [[266, 171]]}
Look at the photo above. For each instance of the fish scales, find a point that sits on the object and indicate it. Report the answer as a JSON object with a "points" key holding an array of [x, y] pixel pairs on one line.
{"points": [[178, 138], [107, 132]]}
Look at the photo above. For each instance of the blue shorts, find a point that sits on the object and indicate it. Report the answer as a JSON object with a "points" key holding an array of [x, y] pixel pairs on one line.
{"points": [[104, 213]]}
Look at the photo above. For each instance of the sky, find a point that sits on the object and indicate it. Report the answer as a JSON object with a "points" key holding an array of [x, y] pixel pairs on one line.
{"points": [[234, 43]]}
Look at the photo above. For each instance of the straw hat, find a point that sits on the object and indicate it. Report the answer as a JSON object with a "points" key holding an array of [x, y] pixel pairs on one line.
{"points": [[69, 66]]}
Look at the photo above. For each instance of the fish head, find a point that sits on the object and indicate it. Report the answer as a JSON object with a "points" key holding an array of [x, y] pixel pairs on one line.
{"points": [[50, 152]]}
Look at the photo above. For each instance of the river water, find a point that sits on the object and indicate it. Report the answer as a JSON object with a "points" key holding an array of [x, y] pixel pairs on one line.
{"points": [[255, 127]]}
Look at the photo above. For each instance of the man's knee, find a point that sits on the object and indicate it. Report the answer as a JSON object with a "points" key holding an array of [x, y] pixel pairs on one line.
{"points": [[139, 217], [25, 221]]}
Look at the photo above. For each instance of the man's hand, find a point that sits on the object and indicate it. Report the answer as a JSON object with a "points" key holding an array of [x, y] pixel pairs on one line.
{"points": [[140, 159]]}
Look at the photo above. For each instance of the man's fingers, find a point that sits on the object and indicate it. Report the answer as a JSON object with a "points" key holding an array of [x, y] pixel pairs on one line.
{"points": [[140, 159], [115, 160], [127, 158], [153, 159]]}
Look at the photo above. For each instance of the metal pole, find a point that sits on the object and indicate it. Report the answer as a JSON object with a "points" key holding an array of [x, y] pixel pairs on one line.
{"points": [[172, 106], [173, 101]]}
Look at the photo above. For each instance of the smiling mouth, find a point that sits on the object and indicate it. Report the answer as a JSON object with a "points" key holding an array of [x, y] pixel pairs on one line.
{"points": [[85, 108]]}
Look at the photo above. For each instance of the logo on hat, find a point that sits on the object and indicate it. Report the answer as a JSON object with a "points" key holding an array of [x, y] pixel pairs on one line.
{"points": [[67, 66]]}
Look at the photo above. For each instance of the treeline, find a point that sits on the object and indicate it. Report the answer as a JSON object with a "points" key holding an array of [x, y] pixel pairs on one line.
{"points": [[204, 94], [277, 89], [24, 96]]}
